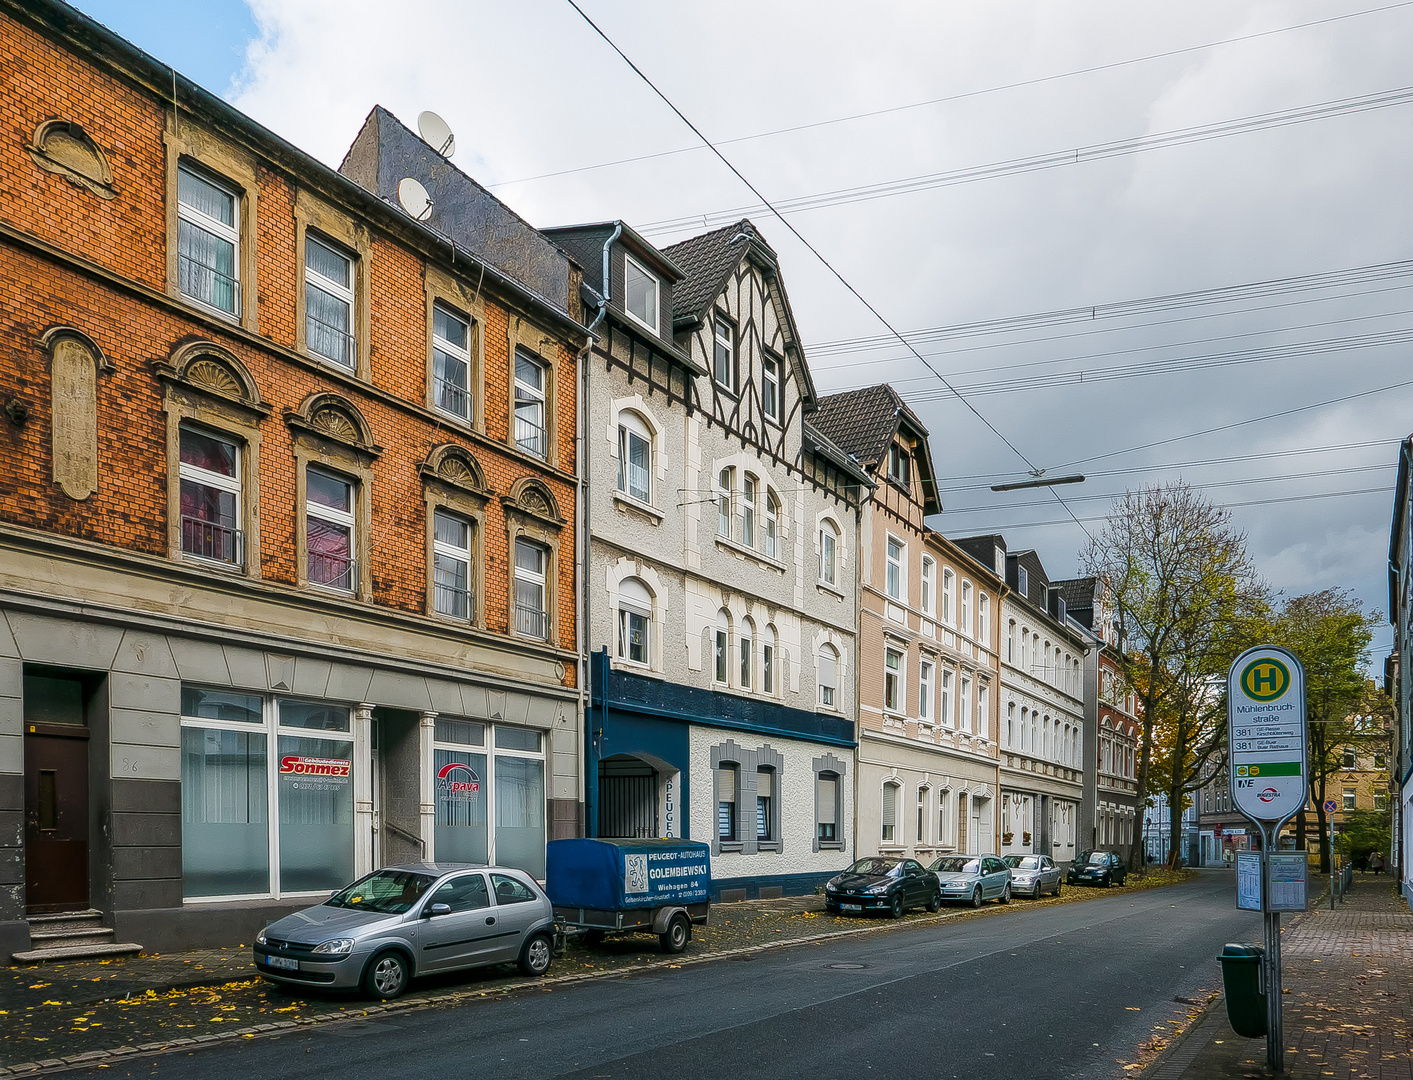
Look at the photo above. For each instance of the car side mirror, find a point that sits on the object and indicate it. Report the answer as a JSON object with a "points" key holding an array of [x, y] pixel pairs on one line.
{"points": [[436, 909]]}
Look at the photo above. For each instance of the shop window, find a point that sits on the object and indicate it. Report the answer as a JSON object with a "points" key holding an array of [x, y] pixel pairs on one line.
{"points": [[469, 799]]}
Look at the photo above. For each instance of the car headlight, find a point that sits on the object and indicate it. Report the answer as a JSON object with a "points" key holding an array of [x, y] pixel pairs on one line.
{"points": [[339, 946], [260, 938], [877, 890]]}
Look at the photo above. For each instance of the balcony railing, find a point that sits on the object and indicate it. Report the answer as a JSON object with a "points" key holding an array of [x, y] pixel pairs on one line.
{"points": [[453, 601], [206, 283], [531, 621], [329, 341], [531, 437], [453, 399], [212, 540], [332, 571]]}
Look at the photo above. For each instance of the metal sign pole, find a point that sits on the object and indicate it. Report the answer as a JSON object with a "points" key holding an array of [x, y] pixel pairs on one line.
{"points": [[1332, 865], [1275, 1036]]}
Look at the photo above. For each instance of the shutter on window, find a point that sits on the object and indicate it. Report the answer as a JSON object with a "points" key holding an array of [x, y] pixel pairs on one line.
{"points": [[727, 785], [825, 797], [826, 670], [764, 781], [890, 805]]}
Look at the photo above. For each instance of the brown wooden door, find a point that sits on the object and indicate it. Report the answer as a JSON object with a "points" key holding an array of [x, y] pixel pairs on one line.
{"points": [[56, 817]]}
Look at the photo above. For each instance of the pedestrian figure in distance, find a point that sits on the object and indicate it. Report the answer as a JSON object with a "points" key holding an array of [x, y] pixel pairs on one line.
{"points": [[1376, 863], [1364, 862]]}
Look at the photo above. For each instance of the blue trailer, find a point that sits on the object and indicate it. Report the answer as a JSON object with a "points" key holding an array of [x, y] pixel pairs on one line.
{"points": [[602, 887]]}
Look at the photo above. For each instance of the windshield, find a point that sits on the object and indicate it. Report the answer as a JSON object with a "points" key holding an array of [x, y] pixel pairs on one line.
{"points": [[874, 867], [1022, 862], [388, 892], [956, 864], [1098, 858]]}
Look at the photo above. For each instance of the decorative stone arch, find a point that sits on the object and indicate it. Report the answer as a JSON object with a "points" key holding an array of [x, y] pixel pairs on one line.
{"points": [[532, 497], [452, 479], [74, 361], [622, 570], [206, 385], [329, 431], [63, 147]]}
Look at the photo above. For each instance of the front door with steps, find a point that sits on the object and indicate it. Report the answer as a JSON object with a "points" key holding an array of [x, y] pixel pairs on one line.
{"points": [[56, 796]]}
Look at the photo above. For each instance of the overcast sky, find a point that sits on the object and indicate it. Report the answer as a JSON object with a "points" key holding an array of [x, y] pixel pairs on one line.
{"points": [[536, 98]]}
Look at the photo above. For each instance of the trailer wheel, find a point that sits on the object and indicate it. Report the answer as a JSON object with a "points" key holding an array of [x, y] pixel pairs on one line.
{"points": [[678, 933]]}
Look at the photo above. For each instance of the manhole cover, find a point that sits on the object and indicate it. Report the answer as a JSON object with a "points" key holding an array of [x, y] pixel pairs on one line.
{"points": [[848, 967]]}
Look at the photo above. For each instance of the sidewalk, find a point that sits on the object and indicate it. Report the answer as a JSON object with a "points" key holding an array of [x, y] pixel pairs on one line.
{"points": [[1348, 999]]}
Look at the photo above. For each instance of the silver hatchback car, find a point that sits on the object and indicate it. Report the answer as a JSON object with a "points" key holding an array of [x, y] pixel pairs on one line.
{"points": [[403, 921]]}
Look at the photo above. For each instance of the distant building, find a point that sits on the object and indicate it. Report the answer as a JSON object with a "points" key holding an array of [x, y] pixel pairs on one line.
{"points": [[1398, 678]]}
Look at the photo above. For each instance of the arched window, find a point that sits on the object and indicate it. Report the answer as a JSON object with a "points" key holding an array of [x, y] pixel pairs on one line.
{"points": [[949, 597], [635, 615], [722, 645], [748, 510], [828, 676], [1010, 724], [767, 661], [1047, 743], [890, 811], [724, 482], [968, 627], [635, 457], [928, 602], [944, 818], [924, 794], [828, 553], [746, 641], [772, 525]]}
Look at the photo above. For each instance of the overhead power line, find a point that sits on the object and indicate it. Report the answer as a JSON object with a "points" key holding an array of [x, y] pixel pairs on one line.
{"points": [[1040, 162], [1039, 81]]}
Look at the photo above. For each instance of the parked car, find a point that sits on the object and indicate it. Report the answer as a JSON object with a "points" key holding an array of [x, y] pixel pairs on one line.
{"points": [[1032, 875], [880, 883], [973, 878], [1098, 868], [404, 921]]}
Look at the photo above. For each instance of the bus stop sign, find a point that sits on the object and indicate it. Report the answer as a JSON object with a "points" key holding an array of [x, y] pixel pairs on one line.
{"points": [[1266, 725]]}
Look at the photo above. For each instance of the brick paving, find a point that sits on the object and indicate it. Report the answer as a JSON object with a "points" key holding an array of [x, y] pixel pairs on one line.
{"points": [[1348, 1002]]}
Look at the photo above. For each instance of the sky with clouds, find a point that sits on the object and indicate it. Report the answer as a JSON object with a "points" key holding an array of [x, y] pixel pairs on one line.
{"points": [[1028, 128]]}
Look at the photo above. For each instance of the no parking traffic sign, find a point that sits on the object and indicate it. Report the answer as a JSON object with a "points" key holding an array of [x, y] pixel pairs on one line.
{"points": [[1330, 806]]}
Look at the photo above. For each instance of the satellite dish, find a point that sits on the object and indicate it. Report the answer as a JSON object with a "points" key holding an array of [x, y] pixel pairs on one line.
{"points": [[434, 130], [414, 198]]}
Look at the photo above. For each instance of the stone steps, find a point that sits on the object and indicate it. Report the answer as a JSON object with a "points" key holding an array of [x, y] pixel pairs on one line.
{"points": [[71, 935]]}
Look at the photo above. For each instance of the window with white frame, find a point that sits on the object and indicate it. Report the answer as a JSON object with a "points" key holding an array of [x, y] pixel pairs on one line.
{"points": [[949, 597], [746, 647], [531, 579], [928, 568], [635, 618], [1349, 799], [635, 457], [724, 356], [770, 387], [208, 241], [828, 553], [1022, 581], [328, 301], [983, 711], [827, 800], [1011, 642], [964, 702], [925, 669], [983, 619], [451, 565], [503, 783], [640, 294], [944, 818], [944, 711], [772, 525], [828, 662], [210, 475], [748, 510], [968, 627], [329, 530], [727, 776], [721, 643], [1010, 724], [894, 580], [899, 465], [924, 794], [724, 481], [451, 364], [890, 812], [767, 661], [893, 675], [531, 426]]}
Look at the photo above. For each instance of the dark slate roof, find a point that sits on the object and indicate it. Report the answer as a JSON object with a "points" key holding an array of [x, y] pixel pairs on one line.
{"points": [[1078, 595], [708, 260], [862, 422]]}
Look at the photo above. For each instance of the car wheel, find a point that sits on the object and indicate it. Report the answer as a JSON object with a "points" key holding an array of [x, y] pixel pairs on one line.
{"points": [[976, 897], [593, 937], [387, 976], [934, 902], [535, 957], [1005, 896], [678, 933], [895, 909], [1058, 886]]}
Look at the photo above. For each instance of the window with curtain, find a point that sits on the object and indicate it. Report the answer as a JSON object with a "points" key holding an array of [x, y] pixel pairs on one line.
{"points": [[634, 457], [329, 524], [451, 565], [531, 423], [635, 610], [208, 241], [209, 472], [531, 612], [328, 301], [893, 680], [451, 363]]}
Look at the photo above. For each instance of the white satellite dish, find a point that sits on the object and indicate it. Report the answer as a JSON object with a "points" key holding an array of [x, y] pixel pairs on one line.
{"points": [[434, 130], [414, 198]]}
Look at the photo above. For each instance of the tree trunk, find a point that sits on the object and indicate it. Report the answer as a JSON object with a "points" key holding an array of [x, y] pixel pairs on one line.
{"points": [[1321, 823], [1175, 808], [1138, 850], [1300, 830]]}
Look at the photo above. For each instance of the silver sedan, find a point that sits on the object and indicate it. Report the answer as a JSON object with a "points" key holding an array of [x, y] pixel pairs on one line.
{"points": [[405, 921], [1032, 875]]}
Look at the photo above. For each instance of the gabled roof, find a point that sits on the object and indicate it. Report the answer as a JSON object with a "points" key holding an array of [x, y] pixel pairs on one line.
{"points": [[1078, 595], [863, 423]]}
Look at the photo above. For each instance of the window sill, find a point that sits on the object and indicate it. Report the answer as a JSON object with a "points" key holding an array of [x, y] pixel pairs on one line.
{"points": [[200, 305], [731, 845], [750, 553], [625, 502], [456, 418], [831, 845], [768, 845], [219, 565], [628, 667], [825, 587]]}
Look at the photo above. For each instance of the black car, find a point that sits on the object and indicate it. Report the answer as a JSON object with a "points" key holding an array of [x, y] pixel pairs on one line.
{"points": [[879, 883], [1097, 868]]}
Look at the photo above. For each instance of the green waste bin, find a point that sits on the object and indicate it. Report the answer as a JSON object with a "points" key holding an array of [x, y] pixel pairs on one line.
{"points": [[1243, 978]]}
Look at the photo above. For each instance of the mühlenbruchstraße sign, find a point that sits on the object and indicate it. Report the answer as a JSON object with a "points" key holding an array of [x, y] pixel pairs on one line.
{"points": [[1266, 726]]}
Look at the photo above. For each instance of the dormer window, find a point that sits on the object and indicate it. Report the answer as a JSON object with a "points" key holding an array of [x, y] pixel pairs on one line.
{"points": [[899, 465], [640, 294]]}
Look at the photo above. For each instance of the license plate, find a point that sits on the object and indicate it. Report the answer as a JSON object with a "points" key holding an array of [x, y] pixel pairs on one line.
{"points": [[282, 963], [850, 907]]}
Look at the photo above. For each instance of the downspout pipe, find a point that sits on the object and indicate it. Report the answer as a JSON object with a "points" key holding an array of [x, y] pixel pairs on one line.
{"points": [[585, 531]]}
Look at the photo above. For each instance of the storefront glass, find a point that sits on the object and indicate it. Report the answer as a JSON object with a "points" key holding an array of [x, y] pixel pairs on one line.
{"points": [[316, 814], [225, 827], [461, 806]]}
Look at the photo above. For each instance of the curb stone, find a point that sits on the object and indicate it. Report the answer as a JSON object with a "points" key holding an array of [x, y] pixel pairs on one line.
{"points": [[123, 1053]]}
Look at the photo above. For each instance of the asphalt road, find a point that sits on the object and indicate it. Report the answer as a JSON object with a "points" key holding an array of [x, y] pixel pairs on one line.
{"points": [[1062, 991]]}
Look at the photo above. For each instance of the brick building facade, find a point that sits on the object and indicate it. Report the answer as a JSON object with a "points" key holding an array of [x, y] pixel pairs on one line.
{"points": [[275, 546]]}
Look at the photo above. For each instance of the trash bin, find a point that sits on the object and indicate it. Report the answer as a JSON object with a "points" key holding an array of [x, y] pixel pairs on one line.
{"points": [[1243, 978]]}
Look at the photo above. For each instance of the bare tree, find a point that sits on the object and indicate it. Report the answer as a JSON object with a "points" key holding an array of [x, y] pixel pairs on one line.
{"points": [[1186, 600]]}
